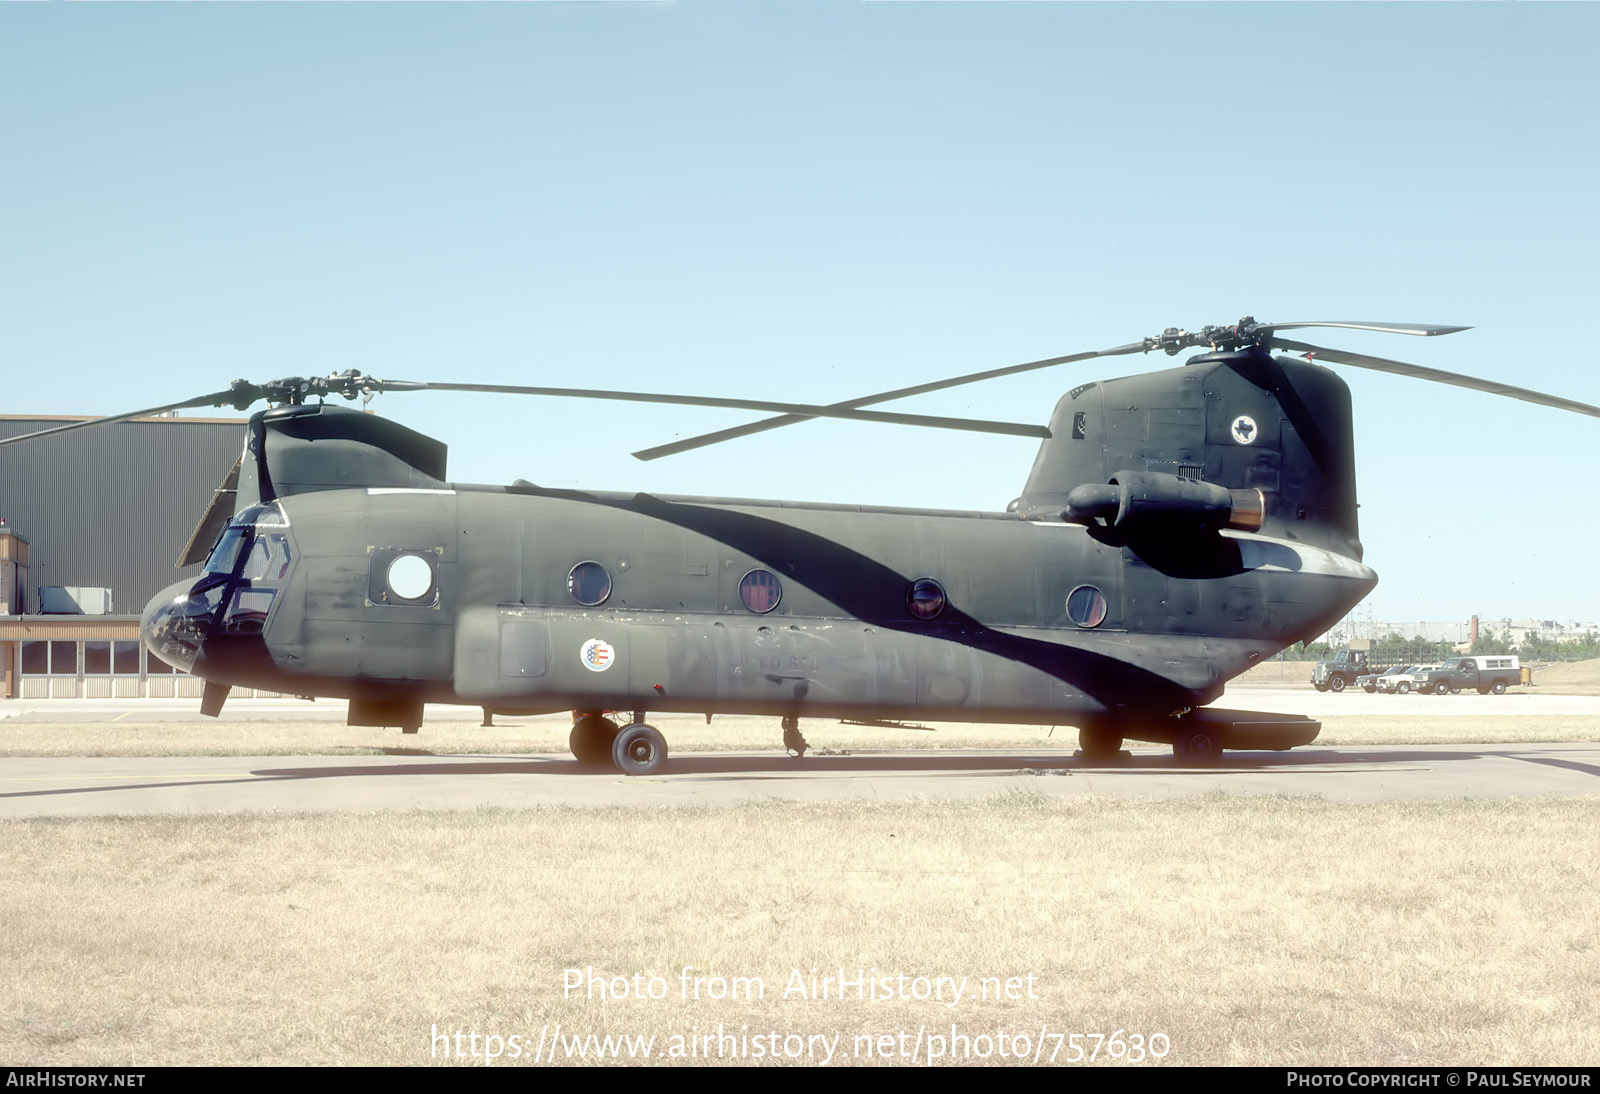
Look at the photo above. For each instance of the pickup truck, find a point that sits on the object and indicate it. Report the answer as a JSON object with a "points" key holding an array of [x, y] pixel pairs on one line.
{"points": [[1484, 675]]}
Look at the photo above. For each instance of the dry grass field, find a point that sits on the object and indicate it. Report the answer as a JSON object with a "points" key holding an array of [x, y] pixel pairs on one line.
{"points": [[1242, 930], [1246, 931]]}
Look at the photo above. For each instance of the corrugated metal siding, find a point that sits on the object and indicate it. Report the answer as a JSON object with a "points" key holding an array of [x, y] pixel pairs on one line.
{"points": [[112, 506]]}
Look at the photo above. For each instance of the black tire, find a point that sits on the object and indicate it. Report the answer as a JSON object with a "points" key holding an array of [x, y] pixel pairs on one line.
{"points": [[1197, 747], [1499, 687], [1336, 684], [1483, 691], [639, 750], [1098, 743], [1403, 687], [1320, 687], [1441, 688], [1369, 688], [591, 739]]}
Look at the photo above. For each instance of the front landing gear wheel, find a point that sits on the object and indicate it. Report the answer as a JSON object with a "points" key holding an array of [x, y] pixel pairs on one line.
{"points": [[639, 750], [591, 740], [1199, 747], [1099, 745], [792, 740]]}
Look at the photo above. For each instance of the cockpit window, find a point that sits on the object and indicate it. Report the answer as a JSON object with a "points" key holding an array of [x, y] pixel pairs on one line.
{"points": [[226, 552], [280, 556], [269, 515], [255, 567]]}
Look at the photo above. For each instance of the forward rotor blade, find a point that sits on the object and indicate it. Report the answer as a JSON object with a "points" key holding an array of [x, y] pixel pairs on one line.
{"points": [[765, 424], [1439, 376], [804, 410], [220, 398], [1424, 330], [213, 519]]}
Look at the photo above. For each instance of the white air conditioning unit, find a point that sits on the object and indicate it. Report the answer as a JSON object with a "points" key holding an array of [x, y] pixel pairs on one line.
{"points": [[74, 600]]}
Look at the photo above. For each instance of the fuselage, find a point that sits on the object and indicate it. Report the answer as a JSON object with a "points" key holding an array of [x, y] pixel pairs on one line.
{"points": [[525, 600]]}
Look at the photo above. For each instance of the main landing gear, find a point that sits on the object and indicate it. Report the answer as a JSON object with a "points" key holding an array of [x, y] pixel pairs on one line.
{"points": [[1198, 736], [633, 749]]}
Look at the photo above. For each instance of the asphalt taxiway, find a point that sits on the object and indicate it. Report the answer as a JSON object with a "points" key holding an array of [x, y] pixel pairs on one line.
{"points": [[85, 786]]}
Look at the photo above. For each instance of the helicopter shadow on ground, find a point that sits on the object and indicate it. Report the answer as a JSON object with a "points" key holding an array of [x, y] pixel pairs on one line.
{"points": [[737, 767], [725, 766]]}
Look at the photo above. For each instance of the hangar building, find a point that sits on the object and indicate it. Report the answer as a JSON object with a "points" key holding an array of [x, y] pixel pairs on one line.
{"points": [[91, 522]]}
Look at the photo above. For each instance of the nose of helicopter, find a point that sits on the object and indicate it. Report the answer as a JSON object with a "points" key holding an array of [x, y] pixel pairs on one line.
{"points": [[175, 622]]}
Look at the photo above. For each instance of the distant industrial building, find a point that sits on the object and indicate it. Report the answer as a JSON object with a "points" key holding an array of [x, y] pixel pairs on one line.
{"points": [[1359, 626], [91, 522]]}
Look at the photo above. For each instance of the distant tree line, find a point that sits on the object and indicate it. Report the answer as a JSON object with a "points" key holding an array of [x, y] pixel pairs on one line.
{"points": [[1396, 649]]}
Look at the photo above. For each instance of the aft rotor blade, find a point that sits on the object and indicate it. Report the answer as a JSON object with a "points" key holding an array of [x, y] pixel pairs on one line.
{"points": [[765, 424], [804, 410], [1424, 330], [1439, 376], [220, 398]]}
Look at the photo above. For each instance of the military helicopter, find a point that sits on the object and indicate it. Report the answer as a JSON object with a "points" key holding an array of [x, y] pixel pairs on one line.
{"points": [[1176, 528]]}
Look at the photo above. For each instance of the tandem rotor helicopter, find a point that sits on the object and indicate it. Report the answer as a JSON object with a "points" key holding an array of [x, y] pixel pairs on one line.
{"points": [[1176, 528]]}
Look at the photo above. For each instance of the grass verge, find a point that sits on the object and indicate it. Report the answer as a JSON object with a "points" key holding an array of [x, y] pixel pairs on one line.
{"points": [[1253, 930]]}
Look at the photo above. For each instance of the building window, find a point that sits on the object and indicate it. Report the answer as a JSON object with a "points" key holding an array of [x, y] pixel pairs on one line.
{"points": [[925, 598], [1086, 606], [125, 658], [97, 658], [589, 584], [759, 591], [35, 658], [64, 658]]}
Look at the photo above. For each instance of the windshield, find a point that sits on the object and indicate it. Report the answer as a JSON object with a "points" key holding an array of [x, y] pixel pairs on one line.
{"points": [[226, 552]]}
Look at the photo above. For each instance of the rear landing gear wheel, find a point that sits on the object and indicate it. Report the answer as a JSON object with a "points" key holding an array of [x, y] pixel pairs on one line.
{"points": [[1099, 744], [591, 739], [1197, 746], [639, 750]]}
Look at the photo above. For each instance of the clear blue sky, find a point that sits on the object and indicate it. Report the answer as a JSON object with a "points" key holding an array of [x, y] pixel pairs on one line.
{"points": [[812, 201]]}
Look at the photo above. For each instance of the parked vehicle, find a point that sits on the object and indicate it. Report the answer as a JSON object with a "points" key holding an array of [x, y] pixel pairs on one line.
{"points": [[1387, 681], [1339, 673], [1484, 674], [1406, 682]]}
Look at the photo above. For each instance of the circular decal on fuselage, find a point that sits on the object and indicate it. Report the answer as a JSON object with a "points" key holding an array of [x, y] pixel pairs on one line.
{"points": [[1244, 429], [596, 655]]}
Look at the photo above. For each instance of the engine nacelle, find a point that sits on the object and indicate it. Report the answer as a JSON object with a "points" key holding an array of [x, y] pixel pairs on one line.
{"points": [[1135, 502]]}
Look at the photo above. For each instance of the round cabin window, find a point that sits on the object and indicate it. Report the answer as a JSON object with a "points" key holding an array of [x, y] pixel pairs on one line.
{"points": [[589, 584], [409, 577], [1086, 606], [925, 598], [759, 591]]}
